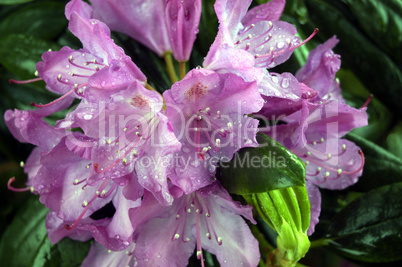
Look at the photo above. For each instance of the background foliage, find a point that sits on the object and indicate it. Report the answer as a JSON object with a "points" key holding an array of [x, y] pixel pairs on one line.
{"points": [[362, 224]]}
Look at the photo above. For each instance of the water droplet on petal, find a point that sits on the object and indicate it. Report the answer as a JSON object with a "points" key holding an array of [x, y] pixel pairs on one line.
{"points": [[285, 83], [280, 45]]}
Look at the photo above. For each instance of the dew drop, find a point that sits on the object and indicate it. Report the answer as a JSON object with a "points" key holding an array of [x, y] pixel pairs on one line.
{"points": [[285, 83], [211, 168], [280, 45]]}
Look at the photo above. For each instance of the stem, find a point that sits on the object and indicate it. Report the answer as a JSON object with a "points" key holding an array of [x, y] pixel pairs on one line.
{"points": [[319, 243], [149, 87], [182, 69], [170, 67]]}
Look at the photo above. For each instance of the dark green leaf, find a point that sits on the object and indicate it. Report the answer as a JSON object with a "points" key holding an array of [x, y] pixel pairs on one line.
{"points": [[382, 21], [19, 53], [369, 228], [34, 18], [68, 253], [371, 65], [13, 2], [381, 167], [394, 141], [267, 167], [25, 242]]}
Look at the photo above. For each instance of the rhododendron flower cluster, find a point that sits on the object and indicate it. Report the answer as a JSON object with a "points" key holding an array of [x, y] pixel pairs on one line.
{"points": [[152, 158]]}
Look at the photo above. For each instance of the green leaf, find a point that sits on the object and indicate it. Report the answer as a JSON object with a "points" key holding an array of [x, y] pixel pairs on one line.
{"points": [[25, 242], [267, 167], [380, 168], [68, 253], [34, 18], [13, 2], [382, 21], [19, 53], [394, 141], [369, 228], [371, 65]]}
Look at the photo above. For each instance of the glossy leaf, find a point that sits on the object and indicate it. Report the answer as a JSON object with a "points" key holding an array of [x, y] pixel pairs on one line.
{"points": [[381, 167], [19, 53], [25, 241], [369, 228], [44, 20], [382, 21], [267, 167], [68, 253], [394, 140], [13, 2]]}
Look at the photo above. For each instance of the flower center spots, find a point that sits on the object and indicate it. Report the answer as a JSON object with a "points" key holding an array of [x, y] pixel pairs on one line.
{"points": [[197, 90], [139, 101]]}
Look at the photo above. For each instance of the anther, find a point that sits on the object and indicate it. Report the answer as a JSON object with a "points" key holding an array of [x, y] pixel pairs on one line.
{"points": [[199, 253], [176, 236], [218, 142]]}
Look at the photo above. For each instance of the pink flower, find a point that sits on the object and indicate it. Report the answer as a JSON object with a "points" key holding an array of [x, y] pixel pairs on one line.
{"points": [[207, 218], [208, 112]]}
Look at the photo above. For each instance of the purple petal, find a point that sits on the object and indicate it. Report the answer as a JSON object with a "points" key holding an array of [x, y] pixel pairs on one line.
{"points": [[314, 196], [182, 19], [120, 224], [142, 20], [101, 256], [333, 119], [209, 128], [56, 230], [320, 69], [270, 42], [27, 127], [80, 7], [332, 164], [230, 13], [270, 11], [158, 248]]}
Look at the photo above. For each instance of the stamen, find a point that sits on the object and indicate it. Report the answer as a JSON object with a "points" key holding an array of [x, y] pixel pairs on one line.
{"points": [[337, 171], [367, 101], [26, 81], [10, 187], [54, 101], [270, 56], [197, 217], [88, 204]]}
